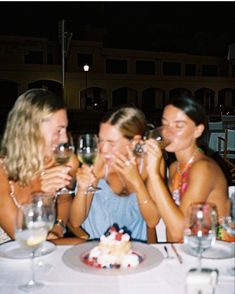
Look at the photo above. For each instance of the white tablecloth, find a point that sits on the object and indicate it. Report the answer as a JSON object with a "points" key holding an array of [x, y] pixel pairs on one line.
{"points": [[167, 278]]}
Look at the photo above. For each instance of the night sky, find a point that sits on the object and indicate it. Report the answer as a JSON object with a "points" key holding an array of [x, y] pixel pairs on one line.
{"points": [[203, 28]]}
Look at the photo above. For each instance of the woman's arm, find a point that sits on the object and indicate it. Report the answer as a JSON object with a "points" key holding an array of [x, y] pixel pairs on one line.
{"points": [[63, 204], [131, 174], [200, 185], [82, 200]]}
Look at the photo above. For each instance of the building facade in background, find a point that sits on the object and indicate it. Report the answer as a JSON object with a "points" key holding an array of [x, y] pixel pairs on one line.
{"points": [[143, 78]]}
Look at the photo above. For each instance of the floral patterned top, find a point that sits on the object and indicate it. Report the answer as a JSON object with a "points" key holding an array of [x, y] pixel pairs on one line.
{"points": [[179, 183]]}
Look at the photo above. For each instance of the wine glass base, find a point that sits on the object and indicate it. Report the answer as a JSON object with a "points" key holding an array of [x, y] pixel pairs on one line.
{"points": [[31, 286]]}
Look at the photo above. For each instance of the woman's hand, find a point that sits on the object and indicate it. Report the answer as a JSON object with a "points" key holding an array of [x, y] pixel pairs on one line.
{"points": [[85, 177], [55, 178], [127, 166], [154, 156]]}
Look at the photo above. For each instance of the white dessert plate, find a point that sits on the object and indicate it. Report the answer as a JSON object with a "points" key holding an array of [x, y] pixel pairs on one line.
{"points": [[220, 250], [73, 258], [14, 251]]}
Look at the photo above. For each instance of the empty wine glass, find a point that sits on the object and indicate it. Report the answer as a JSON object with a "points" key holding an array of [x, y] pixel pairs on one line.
{"points": [[87, 151], [200, 232], [62, 154], [48, 202], [30, 232], [159, 134]]}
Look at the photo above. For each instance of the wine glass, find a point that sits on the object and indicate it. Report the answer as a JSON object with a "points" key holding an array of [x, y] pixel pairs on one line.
{"points": [[87, 151], [228, 225], [160, 135], [62, 154], [200, 232], [30, 232], [48, 202]]}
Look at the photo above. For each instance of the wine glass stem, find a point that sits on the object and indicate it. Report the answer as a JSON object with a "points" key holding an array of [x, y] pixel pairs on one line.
{"points": [[32, 280], [200, 261]]}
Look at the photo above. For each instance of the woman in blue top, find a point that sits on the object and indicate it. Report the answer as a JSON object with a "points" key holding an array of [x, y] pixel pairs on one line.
{"points": [[122, 177]]}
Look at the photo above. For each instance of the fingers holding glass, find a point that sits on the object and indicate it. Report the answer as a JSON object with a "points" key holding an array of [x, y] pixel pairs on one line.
{"points": [[87, 152], [55, 178], [62, 154]]}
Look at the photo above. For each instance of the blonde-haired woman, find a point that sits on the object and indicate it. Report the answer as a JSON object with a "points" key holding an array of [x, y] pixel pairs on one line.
{"points": [[122, 177], [36, 123]]}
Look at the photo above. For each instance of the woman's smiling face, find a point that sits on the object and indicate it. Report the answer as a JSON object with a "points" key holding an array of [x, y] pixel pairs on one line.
{"points": [[111, 140], [54, 130]]}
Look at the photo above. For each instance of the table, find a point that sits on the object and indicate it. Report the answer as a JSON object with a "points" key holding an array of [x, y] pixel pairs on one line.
{"points": [[213, 139], [168, 277]]}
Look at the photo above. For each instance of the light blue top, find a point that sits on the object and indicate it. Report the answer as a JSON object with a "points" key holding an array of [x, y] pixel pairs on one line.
{"points": [[108, 208]]}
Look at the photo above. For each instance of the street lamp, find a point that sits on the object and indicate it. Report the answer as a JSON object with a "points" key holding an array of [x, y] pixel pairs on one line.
{"points": [[86, 69]]}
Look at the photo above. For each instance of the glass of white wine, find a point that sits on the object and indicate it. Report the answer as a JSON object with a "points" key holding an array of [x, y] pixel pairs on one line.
{"points": [[30, 232], [48, 202], [62, 154], [87, 151], [200, 232]]}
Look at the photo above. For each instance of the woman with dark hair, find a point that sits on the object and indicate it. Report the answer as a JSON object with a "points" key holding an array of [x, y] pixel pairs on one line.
{"points": [[36, 123], [193, 177], [122, 177]]}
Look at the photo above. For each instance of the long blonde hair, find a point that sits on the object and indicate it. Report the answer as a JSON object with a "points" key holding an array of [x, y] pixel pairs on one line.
{"points": [[23, 146]]}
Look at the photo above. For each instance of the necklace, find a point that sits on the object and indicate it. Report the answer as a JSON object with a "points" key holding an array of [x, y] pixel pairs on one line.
{"points": [[13, 197], [185, 167], [191, 159]]}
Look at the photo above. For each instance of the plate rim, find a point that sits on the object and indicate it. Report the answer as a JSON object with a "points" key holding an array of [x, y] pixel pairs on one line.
{"points": [[13, 244], [143, 248], [217, 243]]}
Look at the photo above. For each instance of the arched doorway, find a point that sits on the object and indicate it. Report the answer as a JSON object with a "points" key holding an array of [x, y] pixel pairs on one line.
{"points": [[180, 92], [124, 96], [226, 100], [96, 99], [206, 97], [9, 93]]}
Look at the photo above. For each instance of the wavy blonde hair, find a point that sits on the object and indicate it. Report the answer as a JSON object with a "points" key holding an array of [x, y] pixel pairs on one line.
{"points": [[23, 146], [130, 121]]}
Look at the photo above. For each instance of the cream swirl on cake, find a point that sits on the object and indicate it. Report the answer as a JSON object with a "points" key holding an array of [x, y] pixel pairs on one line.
{"points": [[113, 251]]}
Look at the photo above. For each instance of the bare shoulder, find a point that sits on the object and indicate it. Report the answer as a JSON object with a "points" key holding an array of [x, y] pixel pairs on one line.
{"points": [[206, 164], [3, 175], [207, 170], [4, 186]]}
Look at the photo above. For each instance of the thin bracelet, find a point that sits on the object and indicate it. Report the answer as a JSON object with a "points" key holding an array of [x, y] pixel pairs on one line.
{"points": [[82, 193]]}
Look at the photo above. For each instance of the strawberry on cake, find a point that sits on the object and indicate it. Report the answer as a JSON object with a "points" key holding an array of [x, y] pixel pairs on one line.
{"points": [[113, 251]]}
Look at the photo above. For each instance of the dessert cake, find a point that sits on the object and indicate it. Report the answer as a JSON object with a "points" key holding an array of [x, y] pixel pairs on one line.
{"points": [[113, 251]]}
